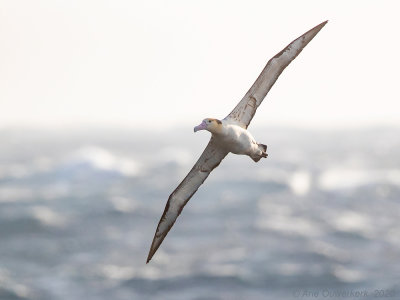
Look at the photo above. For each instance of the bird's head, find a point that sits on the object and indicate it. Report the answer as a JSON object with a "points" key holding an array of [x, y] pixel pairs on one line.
{"points": [[212, 125]]}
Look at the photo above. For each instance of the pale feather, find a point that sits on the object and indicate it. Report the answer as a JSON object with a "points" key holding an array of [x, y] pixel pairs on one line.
{"points": [[243, 113], [209, 159]]}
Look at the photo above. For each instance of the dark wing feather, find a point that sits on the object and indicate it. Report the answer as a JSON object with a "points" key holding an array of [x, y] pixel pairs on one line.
{"points": [[245, 110], [208, 161]]}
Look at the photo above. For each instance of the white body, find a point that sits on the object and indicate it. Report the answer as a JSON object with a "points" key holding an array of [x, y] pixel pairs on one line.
{"points": [[236, 139]]}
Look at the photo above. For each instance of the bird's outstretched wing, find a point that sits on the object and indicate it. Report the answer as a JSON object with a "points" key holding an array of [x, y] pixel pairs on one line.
{"points": [[208, 161], [245, 110]]}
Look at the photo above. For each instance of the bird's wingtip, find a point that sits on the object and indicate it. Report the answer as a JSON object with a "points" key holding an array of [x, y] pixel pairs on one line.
{"points": [[150, 256], [157, 240], [319, 26], [309, 35]]}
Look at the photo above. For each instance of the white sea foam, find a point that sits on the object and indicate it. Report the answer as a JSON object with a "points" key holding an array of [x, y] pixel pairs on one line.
{"points": [[123, 204], [330, 251], [103, 159], [346, 274], [289, 225], [11, 285], [117, 272], [341, 178], [300, 182], [279, 217], [352, 221], [48, 217]]}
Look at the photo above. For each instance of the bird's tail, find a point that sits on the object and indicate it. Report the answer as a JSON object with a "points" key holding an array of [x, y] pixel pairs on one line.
{"points": [[261, 153]]}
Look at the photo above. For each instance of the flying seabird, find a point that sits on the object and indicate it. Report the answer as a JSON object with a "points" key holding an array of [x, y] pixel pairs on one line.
{"points": [[229, 135]]}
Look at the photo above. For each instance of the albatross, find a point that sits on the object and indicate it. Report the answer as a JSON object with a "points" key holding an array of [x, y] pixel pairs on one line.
{"points": [[229, 135]]}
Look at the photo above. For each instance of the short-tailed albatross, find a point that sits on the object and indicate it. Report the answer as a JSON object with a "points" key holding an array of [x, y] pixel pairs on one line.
{"points": [[229, 135]]}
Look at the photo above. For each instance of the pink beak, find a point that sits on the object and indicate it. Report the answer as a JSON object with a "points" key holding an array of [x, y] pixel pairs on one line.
{"points": [[202, 126]]}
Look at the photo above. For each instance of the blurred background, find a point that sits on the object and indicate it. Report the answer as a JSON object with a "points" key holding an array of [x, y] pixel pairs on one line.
{"points": [[98, 100]]}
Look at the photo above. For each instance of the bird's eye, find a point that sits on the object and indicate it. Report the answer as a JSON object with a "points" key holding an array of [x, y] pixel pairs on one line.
{"points": [[208, 121]]}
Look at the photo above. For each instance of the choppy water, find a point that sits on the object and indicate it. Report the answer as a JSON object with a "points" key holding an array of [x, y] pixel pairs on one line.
{"points": [[320, 216]]}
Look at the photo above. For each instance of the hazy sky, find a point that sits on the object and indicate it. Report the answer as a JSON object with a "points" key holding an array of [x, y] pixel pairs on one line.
{"points": [[168, 63]]}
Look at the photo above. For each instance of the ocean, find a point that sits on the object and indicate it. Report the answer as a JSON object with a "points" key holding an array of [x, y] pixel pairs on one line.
{"points": [[318, 219]]}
